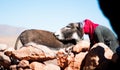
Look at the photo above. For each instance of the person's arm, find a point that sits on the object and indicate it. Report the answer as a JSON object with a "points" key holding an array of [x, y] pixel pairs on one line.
{"points": [[98, 35]]}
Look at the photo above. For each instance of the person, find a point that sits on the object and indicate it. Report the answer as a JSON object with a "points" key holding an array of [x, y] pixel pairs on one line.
{"points": [[111, 10], [99, 33]]}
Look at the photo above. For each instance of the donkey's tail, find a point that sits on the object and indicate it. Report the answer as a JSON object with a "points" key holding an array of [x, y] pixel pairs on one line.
{"points": [[16, 43]]}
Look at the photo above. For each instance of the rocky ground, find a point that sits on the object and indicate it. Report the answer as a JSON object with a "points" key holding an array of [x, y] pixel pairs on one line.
{"points": [[40, 57]]}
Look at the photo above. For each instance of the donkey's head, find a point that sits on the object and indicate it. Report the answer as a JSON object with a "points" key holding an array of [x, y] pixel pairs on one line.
{"points": [[71, 31]]}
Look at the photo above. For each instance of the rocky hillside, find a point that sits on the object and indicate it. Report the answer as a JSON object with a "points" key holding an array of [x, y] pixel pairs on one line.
{"points": [[9, 34], [6, 30]]}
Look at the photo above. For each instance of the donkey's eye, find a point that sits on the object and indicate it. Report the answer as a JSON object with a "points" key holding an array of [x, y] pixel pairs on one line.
{"points": [[68, 26]]}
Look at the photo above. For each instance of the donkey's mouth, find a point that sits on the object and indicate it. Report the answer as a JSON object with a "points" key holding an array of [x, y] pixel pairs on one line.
{"points": [[72, 41]]}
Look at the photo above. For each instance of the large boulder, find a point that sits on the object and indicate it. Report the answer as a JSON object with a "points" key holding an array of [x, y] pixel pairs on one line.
{"points": [[31, 53], [98, 57]]}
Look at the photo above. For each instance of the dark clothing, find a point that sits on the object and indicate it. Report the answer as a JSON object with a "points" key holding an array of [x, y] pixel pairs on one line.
{"points": [[118, 51], [111, 10], [105, 35], [98, 33]]}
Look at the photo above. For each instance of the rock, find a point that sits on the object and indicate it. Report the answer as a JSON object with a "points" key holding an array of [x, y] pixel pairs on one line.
{"points": [[63, 59], [4, 60], [8, 51], [30, 53], [13, 67], [23, 64], [37, 66], [98, 57], [78, 60], [81, 46], [51, 67]]}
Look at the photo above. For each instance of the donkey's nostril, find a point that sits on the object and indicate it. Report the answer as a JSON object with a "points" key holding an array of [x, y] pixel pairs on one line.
{"points": [[56, 34]]}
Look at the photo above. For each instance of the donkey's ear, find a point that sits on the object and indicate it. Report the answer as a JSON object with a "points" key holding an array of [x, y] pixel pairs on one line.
{"points": [[80, 25]]}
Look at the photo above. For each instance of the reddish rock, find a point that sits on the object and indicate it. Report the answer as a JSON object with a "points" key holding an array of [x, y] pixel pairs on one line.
{"points": [[98, 57], [23, 64], [8, 51], [13, 67], [82, 46], [30, 53], [64, 59], [4, 60], [37, 66], [51, 67], [78, 60]]}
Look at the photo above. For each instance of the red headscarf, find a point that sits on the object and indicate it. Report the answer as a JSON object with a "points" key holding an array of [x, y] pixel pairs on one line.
{"points": [[89, 27]]}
